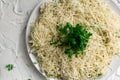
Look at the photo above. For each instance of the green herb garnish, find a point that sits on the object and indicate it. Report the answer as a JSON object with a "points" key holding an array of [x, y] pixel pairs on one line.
{"points": [[35, 62], [74, 38], [100, 74], [59, 1], [9, 67]]}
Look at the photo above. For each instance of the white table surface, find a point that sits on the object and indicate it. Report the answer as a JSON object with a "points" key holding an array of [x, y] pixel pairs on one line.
{"points": [[13, 19]]}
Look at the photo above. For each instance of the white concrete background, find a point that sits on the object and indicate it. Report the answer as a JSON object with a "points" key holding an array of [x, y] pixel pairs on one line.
{"points": [[13, 19]]}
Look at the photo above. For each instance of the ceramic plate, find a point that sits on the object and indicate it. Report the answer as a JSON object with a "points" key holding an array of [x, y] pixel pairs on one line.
{"points": [[114, 65]]}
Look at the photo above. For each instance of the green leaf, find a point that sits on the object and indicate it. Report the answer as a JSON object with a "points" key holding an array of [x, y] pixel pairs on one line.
{"points": [[74, 38], [35, 62], [100, 74], [9, 67]]}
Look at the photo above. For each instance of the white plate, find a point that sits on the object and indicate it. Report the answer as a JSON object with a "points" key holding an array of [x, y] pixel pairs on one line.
{"points": [[114, 65]]}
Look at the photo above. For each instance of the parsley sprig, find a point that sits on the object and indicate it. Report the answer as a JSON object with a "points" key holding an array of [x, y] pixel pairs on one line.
{"points": [[74, 38], [9, 67]]}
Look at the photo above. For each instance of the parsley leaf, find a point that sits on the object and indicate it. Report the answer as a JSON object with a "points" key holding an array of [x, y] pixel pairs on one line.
{"points": [[100, 74], [73, 38], [9, 67], [35, 62]]}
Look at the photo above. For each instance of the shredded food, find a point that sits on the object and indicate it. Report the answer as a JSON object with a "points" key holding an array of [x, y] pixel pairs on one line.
{"points": [[102, 22]]}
